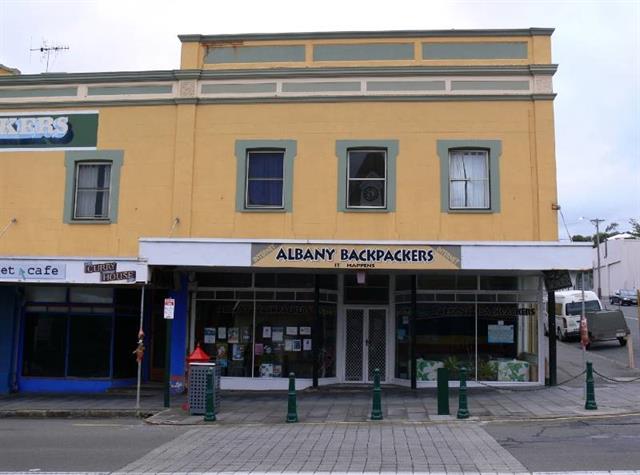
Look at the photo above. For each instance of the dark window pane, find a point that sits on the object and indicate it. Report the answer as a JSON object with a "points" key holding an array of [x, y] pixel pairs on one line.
{"points": [[437, 282], [328, 281], [367, 164], [89, 346], [496, 282], [366, 193], [295, 281], [265, 164], [264, 193], [125, 341], [265, 280], [44, 345], [403, 282], [223, 279]]}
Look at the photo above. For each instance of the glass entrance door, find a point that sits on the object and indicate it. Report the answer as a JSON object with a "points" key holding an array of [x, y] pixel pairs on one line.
{"points": [[366, 344]]}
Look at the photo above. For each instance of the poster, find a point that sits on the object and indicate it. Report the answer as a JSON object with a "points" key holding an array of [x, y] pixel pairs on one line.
{"points": [[288, 344], [234, 335], [305, 330], [222, 352], [297, 345], [259, 349], [222, 333], [277, 370], [500, 333], [246, 334], [266, 332], [266, 370], [277, 334], [209, 335], [292, 331], [237, 352], [306, 344]]}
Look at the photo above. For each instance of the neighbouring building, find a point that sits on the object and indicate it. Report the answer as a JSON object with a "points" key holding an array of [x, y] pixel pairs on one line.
{"points": [[326, 204], [619, 264]]}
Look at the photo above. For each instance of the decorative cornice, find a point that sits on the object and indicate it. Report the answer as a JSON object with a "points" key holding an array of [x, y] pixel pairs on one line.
{"points": [[289, 99], [181, 74], [330, 35]]}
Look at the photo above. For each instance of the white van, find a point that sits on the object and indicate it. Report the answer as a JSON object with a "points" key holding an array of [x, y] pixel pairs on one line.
{"points": [[569, 310]]}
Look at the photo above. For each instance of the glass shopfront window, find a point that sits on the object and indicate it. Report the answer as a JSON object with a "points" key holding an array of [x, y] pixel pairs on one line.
{"points": [[273, 331], [486, 324], [80, 332]]}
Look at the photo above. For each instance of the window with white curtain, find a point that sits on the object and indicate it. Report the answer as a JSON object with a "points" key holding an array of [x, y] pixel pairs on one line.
{"points": [[93, 184], [469, 179]]}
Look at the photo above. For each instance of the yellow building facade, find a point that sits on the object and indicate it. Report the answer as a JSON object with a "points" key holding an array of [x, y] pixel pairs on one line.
{"points": [[281, 181]]}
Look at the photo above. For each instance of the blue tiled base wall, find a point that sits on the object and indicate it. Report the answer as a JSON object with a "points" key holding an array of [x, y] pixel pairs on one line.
{"points": [[61, 385], [8, 321]]}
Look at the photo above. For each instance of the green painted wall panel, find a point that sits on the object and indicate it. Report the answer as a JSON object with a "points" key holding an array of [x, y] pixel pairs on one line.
{"points": [[405, 86], [254, 54], [489, 85], [238, 88], [40, 92], [364, 52], [506, 50], [321, 87], [122, 90]]}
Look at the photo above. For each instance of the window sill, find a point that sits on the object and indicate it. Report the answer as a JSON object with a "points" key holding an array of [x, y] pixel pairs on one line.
{"points": [[263, 210], [91, 221], [366, 210], [470, 211]]}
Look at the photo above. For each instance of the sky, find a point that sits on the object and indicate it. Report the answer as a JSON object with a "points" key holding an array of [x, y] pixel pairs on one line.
{"points": [[595, 43]]}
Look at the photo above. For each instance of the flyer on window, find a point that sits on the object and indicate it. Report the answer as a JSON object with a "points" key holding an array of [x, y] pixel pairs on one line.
{"points": [[277, 334], [222, 333], [288, 344], [305, 330], [237, 352], [234, 335], [297, 345], [266, 332], [222, 354], [306, 344], [259, 349], [209, 335], [246, 334], [292, 331]]}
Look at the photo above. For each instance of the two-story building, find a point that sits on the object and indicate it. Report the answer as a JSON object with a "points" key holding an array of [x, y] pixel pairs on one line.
{"points": [[318, 203]]}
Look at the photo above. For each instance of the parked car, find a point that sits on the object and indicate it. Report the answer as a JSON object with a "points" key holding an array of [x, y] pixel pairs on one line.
{"points": [[569, 310], [607, 325], [624, 297]]}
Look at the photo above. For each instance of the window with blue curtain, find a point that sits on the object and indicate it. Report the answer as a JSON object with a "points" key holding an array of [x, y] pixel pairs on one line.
{"points": [[265, 179]]}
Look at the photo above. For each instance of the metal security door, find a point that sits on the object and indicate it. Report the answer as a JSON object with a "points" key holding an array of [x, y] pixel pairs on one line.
{"points": [[365, 345]]}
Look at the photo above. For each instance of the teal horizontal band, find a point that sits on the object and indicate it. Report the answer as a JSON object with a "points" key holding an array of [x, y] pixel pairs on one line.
{"points": [[368, 34], [39, 92], [363, 52], [238, 88], [254, 54], [405, 86], [515, 50], [489, 85], [320, 86], [124, 90]]}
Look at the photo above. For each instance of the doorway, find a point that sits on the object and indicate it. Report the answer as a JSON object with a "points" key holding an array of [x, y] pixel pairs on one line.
{"points": [[365, 344]]}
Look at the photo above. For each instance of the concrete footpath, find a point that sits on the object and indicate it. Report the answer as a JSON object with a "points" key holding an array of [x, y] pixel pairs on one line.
{"points": [[342, 404]]}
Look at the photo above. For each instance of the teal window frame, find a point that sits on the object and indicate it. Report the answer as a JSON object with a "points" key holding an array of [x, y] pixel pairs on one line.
{"points": [[114, 158], [242, 148], [343, 147], [494, 149]]}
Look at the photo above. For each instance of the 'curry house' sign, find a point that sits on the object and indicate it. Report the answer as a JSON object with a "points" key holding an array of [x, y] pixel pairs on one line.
{"points": [[355, 256]]}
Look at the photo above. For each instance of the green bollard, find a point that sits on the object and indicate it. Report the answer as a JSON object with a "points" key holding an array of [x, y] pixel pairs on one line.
{"points": [[463, 411], [210, 413], [443, 392], [590, 403], [292, 410], [376, 410]]}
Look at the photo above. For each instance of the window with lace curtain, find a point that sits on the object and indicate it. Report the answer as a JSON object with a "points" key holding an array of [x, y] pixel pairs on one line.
{"points": [[469, 179], [93, 185]]}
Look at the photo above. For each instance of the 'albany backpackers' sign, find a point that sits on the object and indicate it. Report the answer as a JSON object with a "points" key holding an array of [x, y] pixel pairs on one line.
{"points": [[355, 256]]}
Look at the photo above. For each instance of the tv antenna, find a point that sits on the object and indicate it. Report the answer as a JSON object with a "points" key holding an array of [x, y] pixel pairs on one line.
{"points": [[47, 50]]}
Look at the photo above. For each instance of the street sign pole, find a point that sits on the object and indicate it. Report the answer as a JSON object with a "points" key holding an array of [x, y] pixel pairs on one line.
{"points": [[169, 307]]}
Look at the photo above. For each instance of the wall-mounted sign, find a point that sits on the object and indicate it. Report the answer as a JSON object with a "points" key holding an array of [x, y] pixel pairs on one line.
{"points": [[109, 272], [77, 130], [15, 271], [500, 333], [169, 307], [355, 256]]}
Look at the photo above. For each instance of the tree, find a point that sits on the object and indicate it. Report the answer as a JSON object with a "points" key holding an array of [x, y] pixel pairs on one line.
{"points": [[635, 227]]}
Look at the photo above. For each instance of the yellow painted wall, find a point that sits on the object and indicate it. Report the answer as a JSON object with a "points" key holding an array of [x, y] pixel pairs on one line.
{"points": [[179, 161], [32, 186]]}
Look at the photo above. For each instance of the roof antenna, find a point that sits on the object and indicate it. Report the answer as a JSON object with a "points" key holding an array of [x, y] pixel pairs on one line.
{"points": [[46, 50]]}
